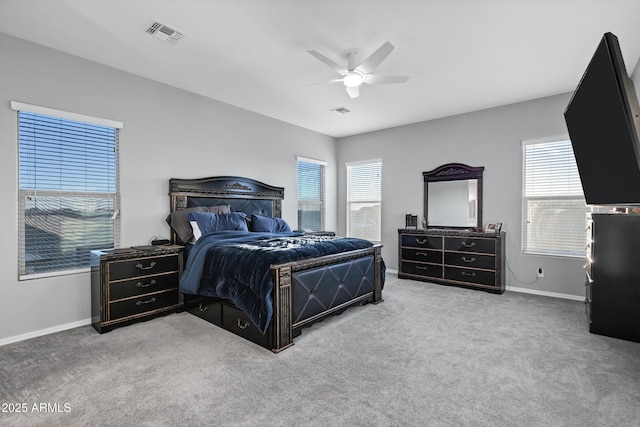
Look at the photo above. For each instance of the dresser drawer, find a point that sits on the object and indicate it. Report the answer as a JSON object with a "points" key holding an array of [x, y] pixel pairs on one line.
{"points": [[142, 267], [470, 244], [481, 277], [470, 260], [421, 241], [425, 255], [426, 270], [143, 304], [142, 285]]}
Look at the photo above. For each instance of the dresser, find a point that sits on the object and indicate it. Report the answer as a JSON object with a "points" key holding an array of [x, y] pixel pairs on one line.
{"points": [[460, 258], [613, 275], [134, 284]]}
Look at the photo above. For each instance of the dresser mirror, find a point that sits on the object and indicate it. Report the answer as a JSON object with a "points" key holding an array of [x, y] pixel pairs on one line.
{"points": [[453, 196]]}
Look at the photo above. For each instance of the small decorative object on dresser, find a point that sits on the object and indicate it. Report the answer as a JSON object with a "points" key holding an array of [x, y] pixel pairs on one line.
{"points": [[490, 228], [411, 221], [133, 284], [451, 257]]}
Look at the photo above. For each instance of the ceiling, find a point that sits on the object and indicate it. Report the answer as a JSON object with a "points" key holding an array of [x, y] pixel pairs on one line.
{"points": [[461, 55]]}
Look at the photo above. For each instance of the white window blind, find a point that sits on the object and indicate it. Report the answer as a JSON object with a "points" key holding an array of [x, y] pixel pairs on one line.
{"points": [[553, 205], [68, 197], [364, 200], [311, 183]]}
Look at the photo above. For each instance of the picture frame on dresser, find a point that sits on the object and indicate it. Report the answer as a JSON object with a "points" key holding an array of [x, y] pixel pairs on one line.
{"points": [[493, 227]]}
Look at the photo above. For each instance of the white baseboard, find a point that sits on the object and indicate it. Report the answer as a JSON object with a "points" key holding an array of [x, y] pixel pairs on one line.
{"points": [[529, 291], [545, 293], [59, 328], [47, 331]]}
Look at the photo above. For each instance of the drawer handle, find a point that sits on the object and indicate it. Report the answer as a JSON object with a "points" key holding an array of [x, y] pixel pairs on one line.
{"points": [[468, 245], [419, 267], [422, 253], [141, 267], [203, 307], [241, 325], [472, 274], [421, 242], [143, 285], [465, 259], [151, 300]]}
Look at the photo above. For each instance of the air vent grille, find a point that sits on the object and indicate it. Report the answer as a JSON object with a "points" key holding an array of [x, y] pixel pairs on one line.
{"points": [[340, 110], [163, 32]]}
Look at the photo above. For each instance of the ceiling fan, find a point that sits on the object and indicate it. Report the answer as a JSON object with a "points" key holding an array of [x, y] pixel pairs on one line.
{"points": [[354, 74]]}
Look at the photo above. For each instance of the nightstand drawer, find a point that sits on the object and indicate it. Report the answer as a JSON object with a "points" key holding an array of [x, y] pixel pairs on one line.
{"points": [[468, 260], [470, 244], [143, 267], [143, 304], [142, 285]]}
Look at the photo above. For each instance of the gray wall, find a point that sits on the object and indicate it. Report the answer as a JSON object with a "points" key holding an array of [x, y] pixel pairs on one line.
{"points": [[490, 138], [167, 133], [172, 133]]}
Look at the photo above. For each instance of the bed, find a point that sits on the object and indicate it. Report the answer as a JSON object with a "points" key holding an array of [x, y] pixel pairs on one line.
{"points": [[264, 282]]}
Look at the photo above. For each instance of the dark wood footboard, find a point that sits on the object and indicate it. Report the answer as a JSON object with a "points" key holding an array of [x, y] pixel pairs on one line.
{"points": [[300, 298], [341, 280]]}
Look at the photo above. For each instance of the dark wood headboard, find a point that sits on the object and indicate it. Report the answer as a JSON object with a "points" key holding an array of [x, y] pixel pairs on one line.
{"points": [[243, 194]]}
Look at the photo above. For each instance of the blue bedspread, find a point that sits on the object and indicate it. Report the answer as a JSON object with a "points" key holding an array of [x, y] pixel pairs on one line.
{"points": [[235, 265]]}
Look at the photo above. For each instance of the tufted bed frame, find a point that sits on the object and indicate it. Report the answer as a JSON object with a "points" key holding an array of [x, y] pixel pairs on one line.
{"points": [[300, 289]]}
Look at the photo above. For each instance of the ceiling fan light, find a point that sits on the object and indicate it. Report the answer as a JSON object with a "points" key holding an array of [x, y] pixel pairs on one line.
{"points": [[353, 79]]}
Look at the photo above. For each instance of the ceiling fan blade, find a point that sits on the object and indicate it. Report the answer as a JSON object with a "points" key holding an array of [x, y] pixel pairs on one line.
{"points": [[339, 68], [353, 91], [371, 63], [324, 82], [379, 79]]}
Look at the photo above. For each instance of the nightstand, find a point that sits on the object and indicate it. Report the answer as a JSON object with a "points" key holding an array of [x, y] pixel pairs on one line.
{"points": [[133, 284]]}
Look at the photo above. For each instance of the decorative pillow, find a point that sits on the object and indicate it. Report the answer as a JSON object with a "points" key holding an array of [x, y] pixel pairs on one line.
{"points": [[196, 230], [217, 222], [180, 224], [271, 225]]}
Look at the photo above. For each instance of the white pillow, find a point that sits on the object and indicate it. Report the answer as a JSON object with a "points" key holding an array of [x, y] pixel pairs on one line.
{"points": [[196, 231]]}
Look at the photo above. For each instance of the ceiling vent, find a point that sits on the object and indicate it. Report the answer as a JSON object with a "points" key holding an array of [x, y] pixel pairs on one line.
{"points": [[340, 110], [163, 32]]}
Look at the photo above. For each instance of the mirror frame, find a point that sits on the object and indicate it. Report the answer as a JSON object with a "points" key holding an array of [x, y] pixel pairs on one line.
{"points": [[453, 172]]}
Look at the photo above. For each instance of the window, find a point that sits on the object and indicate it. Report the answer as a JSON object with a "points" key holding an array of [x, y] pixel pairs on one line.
{"points": [[311, 194], [553, 205], [364, 199], [68, 193]]}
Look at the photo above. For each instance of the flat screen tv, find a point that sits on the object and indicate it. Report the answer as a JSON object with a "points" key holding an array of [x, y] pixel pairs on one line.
{"points": [[603, 122]]}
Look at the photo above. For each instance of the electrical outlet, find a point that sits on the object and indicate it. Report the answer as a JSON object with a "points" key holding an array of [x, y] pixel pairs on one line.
{"points": [[540, 272]]}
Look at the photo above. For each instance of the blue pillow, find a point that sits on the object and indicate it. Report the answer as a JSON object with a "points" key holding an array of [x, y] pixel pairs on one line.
{"points": [[217, 222], [271, 225]]}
